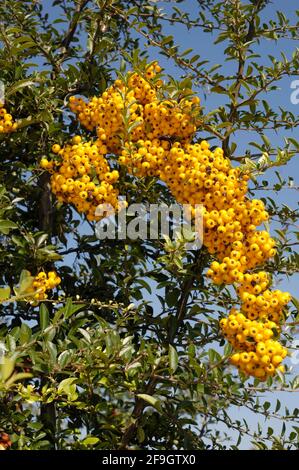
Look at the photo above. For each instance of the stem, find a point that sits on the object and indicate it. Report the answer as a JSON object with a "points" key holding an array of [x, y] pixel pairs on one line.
{"points": [[242, 51], [137, 414]]}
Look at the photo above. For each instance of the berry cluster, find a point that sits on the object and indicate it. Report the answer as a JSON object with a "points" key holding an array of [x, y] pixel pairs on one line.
{"points": [[6, 121], [83, 176], [135, 112], [44, 282], [258, 353], [152, 136], [260, 302], [145, 157]]}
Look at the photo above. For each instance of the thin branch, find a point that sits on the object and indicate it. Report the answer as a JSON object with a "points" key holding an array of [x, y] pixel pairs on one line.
{"points": [[137, 414], [69, 36]]}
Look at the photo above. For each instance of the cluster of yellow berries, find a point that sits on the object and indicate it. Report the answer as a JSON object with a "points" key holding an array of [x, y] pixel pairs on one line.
{"points": [[260, 302], [44, 282], [40, 284], [133, 112], [258, 353], [145, 157], [83, 176], [152, 136], [127, 118], [6, 121]]}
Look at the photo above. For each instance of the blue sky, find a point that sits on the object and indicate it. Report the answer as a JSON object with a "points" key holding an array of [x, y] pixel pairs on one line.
{"points": [[202, 43]]}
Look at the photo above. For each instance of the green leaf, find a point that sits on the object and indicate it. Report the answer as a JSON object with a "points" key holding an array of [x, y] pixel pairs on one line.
{"points": [[64, 358], [68, 387], [140, 434], [25, 282], [278, 405], [90, 441], [266, 405], [295, 383], [70, 309], [6, 226], [295, 302], [294, 142], [16, 377], [24, 275], [132, 369], [4, 293], [211, 354], [43, 317], [25, 334], [173, 359], [65, 384], [266, 141], [52, 350], [7, 366], [151, 400], [144, 284], [19, 86]]}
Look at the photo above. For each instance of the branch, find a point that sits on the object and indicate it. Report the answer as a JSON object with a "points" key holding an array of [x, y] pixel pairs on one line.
{"points": [[183, 301], [175, 57], [137, 414], [69, 36], [241, 66]]}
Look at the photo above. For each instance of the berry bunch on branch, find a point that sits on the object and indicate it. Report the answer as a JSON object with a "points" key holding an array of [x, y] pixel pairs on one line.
{"points": [[154, 135]]}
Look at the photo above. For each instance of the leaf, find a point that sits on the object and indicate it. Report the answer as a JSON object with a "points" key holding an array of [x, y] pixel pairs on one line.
{"points": [[64, 384], [16, 377], [278, 405], [43, 317], [7, 366], [154, 402], [140, 434], [24, 274], [6, 226], [145, 285], [25, 333], [25, 282], [295, 302], [173, 359], [122, 67], [19, 86], [133, 368], [52, 350], [228, 349], [68, 387], [266, 141], [50, 333], [85, 334], [11, 343], [266, 405], [211, 354], [295, 383], [64, 358], [294, 142], [41, 239], [4, 293], [70, 309], [90, 441]]}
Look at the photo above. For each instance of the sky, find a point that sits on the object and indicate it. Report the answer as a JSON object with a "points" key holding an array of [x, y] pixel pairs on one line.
{"points": [[202, 43]]}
